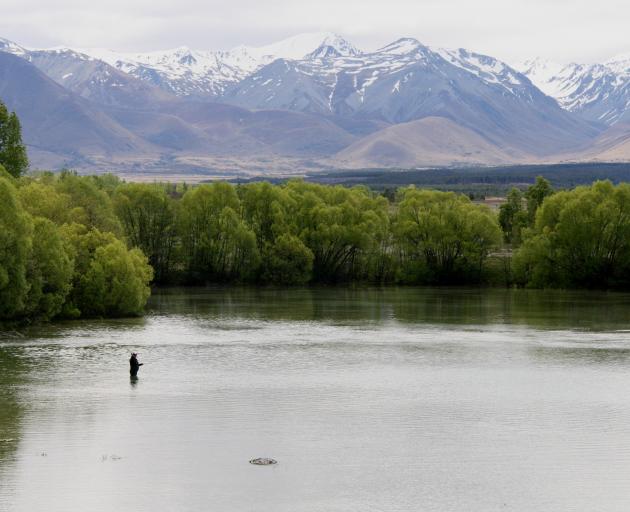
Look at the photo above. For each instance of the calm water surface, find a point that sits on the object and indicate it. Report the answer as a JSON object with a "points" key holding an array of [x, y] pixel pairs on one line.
{"points": [[370, 400]]}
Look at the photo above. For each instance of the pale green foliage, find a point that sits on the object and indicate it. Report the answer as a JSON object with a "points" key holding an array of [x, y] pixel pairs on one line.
{"points": [[342, 227], [110, 280], [581, 238], [216, 244], [15, 245], [269, 210], [265, 210], [50, 271], [443, 237], [5, 174], [116, 283], [89, 205], [44, 200]]}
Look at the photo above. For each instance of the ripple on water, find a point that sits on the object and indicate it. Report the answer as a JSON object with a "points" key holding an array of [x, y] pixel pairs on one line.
{"points": [[375, 401]]}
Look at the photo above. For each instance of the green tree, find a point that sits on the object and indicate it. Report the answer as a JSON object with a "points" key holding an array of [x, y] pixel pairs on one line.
{"points": [[265, 209], [54, 259], [284, 257], [89, 205], [535, 195], [216, 244], [44, 200], [12, 150], [117, 282], [443, 237], [49, 272], [148, 219], [15, 245], [288, 261], [581, 238], [512, 217], [342, 227], [109, 279]]}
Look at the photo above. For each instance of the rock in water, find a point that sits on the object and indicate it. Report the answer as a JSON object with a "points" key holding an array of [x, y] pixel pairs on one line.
{"points": [[263, 461]]}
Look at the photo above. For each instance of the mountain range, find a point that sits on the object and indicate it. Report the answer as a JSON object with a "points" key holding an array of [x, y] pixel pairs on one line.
{"points": [[310, 101]]}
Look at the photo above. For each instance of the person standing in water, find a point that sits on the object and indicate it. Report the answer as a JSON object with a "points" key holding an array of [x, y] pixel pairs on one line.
{"points": [[134, 365]]}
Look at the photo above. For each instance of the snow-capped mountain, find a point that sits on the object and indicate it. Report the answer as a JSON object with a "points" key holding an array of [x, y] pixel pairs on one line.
{"points": [[96, 80], [181, 71], [488, 69], [11, 47], [406, 81], [325, 61], [89, 77], [207, 74], [317, 95], [339, 84], [597, 92]]}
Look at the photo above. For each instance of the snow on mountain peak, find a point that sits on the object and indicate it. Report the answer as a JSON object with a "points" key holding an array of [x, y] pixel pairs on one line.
{"points": [[599, 92], [402, 46], [331, 49], [487, 68], [539, 69], [619, 63], [341, 46], [297, 47], [11, 47]]}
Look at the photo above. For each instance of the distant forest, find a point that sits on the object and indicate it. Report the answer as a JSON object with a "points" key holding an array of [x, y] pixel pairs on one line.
{"points": [[478, 182]]}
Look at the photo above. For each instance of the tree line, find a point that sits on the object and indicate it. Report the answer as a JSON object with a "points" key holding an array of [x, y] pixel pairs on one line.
{"points": [[91, 245], [299, 233]]}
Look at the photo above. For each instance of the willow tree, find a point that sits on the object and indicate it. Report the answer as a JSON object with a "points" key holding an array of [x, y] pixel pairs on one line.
{"points": [[269, 212], [581, 238], [287, 261], [148, 218], [15, 245], [49, 272], [44, 200], [535, 195], [265, 208], [342, 227], [216, 244], [443, 237], [109, 279], [89, 205]]}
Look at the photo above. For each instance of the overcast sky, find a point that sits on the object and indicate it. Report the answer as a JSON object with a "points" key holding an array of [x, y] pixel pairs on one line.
{"points": [[562, 30]]}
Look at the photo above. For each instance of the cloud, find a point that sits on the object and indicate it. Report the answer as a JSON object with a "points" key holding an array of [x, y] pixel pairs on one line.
{"points": [[563, 30]]}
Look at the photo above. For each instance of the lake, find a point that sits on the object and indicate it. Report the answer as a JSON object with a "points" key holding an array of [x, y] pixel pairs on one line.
{"points": [[393, 399]]}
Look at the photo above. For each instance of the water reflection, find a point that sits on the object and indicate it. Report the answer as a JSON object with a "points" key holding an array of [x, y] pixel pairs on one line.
{"points": [[12, 374], [456, 306], [608, 357]]}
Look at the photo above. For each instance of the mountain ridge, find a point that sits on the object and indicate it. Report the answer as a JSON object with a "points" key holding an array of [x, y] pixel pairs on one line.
{"points": [[318, 97]]}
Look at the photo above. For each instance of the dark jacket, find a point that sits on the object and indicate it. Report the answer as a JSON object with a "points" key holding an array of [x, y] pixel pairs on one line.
{"points": [[134, 366]]}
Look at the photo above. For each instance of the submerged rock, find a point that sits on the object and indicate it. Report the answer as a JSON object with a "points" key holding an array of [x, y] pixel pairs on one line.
{"points": [[263, 461]]}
